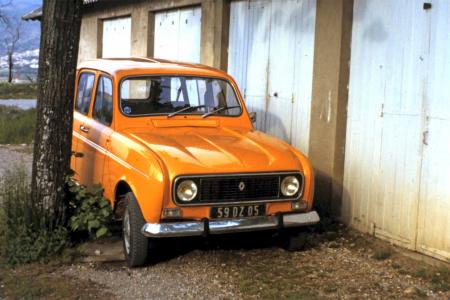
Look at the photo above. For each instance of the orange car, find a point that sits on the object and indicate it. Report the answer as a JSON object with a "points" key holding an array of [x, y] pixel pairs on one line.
{"points": [[175, 150]]}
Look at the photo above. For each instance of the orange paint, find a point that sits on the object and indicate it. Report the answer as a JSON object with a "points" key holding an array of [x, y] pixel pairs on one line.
{"points": [[149, 152]]}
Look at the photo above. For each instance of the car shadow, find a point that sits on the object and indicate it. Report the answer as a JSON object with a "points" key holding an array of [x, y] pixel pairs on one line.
{"points": [[172, 248], [167, 249]]}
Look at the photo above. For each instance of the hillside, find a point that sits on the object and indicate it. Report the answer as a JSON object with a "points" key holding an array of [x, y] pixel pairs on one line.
{"points": [[27, 49]]}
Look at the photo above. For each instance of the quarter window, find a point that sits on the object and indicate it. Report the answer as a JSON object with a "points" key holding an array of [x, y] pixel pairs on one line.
{"points": [[103, 101], [84, 93]]}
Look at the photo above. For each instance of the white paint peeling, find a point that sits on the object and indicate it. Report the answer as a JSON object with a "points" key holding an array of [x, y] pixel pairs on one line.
{"points": [[329, 107]]}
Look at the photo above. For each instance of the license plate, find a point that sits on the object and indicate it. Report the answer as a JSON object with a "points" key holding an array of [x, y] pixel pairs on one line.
{"points": [[241, 211]]}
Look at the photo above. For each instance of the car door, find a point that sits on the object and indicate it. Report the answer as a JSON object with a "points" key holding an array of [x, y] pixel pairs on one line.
{"points": [[97, 130], [83, 99]]}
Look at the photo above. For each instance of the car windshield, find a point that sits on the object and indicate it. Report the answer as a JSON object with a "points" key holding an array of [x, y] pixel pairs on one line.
{"points": [[173, 95]]}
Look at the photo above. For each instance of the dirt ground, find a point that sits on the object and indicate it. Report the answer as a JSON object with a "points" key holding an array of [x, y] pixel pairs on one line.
{"points": [[338, 263]]}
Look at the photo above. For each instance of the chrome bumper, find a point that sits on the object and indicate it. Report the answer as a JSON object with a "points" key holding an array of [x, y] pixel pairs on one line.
{"points": [[197, 228]]}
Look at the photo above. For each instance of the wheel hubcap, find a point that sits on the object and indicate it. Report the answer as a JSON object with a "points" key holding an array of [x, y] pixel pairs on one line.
{"points": [[126, 231]]}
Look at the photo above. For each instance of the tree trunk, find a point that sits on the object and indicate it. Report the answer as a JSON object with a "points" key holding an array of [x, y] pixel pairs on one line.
{"points": [[10, 66], [60, 34]]}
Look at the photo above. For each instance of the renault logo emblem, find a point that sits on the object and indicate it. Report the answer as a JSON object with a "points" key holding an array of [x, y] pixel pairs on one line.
{"points": [[241, 186]]}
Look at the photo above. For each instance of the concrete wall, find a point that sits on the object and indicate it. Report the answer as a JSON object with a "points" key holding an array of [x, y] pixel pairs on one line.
{"points": [[215, 20], [329, 101]]}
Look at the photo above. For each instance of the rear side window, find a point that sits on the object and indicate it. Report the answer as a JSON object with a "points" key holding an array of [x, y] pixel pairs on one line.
{"points": [[85, 85], [103, 101]]}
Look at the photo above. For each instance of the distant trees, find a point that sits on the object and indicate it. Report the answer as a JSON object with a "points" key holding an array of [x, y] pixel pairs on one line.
{"points": [[10, 38], [2, 15]]}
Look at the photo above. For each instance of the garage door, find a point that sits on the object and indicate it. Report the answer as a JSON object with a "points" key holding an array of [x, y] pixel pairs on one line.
{"points": [[177, 34], [116, 37], [397, 171], [271, 50]]}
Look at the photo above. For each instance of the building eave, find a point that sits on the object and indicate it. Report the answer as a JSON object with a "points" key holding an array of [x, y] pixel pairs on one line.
{"points": [[37, 13]]}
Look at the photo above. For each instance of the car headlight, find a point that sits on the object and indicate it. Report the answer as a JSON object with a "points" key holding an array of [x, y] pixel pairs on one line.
{"points": [[289, 186], [187, 190]]}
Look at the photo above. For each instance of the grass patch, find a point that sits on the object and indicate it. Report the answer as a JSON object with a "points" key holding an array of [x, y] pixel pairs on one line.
{"points": [[276, 278], [16, 125], [18, 90], [439, 277], [31, 230], [382, 254], [30, 233], [43, 281]]}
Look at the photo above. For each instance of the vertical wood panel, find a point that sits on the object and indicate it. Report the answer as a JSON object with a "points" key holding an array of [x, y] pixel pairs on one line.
{"points": [[434, 210], [177, 34], [382, 171], [271, 53], [116, 37], [397, 178]]}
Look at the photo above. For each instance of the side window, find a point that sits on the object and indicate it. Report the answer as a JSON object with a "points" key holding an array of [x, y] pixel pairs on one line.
{"points": [[85, 85], [102, 111]]}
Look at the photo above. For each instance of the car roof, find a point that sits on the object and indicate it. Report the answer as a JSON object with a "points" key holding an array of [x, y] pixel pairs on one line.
{"points": [[140, 65]]}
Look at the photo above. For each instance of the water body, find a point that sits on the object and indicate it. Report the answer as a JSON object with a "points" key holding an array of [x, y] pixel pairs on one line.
{"points": [[20, 103]]}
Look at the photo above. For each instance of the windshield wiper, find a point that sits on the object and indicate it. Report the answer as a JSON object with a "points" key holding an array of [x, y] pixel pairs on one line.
{"points": [[184, 109], [219, 109]]}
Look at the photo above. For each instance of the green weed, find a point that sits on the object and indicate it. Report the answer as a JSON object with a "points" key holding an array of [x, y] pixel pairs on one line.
{"points": [[17, 126], [18, 90]]}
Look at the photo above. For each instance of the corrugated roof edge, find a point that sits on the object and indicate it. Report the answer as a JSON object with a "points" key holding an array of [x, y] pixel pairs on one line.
{"points": [[36, 14], [33, 15]]}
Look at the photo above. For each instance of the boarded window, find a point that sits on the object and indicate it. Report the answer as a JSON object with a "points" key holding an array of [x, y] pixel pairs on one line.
{"points": [[117, 37]]}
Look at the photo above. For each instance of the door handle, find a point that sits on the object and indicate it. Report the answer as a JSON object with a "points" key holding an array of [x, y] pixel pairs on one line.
{"points": [[84, 129], [425, 138]]}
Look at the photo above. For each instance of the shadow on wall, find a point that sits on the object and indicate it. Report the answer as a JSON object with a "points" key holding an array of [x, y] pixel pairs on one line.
{"points": [[258, 20], [375, 31]]}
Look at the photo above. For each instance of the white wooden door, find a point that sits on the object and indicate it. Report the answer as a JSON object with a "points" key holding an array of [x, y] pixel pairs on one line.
{"points": [[177, 35], [271, 57], [396, 175], [116, 37], [434, 208]]}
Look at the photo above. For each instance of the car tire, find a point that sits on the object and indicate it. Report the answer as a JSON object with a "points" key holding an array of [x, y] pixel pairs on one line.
{"points": [[135, 244], [294, 239]]}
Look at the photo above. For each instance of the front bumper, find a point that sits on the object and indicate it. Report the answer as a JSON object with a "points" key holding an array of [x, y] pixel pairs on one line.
{"points": [[198, 228]]}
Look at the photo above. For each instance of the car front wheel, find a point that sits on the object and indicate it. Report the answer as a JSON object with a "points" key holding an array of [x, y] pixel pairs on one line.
{"points": [[135, 244]]}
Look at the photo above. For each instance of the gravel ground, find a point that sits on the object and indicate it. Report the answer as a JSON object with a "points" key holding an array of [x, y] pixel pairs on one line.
{"points": [[338, 263], [350, 266]]}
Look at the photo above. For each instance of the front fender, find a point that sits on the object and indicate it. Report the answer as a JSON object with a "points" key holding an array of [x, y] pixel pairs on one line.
{"points": [[308, 172], [134, 164]]}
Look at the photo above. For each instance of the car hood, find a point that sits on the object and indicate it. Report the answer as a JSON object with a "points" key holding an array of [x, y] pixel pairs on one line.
{"points": [[196, 150]]}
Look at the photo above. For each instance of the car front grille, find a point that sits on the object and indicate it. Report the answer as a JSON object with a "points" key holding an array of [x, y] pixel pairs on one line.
{"points": [[226, 189]]}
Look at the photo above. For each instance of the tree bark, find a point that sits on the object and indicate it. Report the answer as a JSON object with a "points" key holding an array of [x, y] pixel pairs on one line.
{"points": [[10, 67], [60, 34]]}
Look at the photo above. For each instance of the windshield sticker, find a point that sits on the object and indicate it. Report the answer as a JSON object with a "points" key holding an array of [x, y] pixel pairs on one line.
{"points": [[127, 110]]}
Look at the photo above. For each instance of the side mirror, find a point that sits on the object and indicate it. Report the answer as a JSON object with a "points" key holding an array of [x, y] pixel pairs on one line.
{"points": [[252, 116]]}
